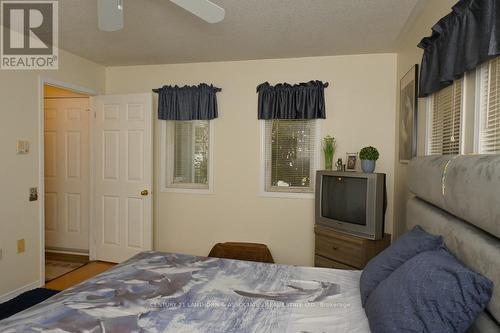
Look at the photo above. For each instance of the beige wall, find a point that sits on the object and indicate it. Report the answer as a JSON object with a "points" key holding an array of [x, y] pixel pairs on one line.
{"points": [[426, 14], [360, 111], [19, 103]]}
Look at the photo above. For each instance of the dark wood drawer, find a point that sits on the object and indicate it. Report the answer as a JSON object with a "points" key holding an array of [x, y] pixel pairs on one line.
{"points": [[340, 249], [327, 263]]}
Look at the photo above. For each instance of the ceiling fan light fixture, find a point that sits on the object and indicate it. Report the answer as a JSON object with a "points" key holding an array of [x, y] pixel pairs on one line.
{"points": [[110, 12]]}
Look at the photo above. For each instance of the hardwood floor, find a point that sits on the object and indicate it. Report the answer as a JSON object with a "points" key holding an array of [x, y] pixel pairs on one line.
{"points": [[59, 264], [79, 275]]}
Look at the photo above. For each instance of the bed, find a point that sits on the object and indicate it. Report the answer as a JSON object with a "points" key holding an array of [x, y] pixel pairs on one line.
{"points": [[167, 292], [456, 197], [459, 198]]}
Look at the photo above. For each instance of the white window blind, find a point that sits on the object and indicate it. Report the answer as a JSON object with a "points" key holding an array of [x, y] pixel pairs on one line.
{"points": [[446, 120], [290, 148], [489, 111], [188, 154]]}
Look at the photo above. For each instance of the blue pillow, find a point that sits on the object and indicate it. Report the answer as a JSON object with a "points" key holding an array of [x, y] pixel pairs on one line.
{"points": [[432, 292], [406, 247]]}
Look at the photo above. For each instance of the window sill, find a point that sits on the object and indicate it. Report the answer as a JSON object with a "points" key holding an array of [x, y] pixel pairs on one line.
{"points": [[198, 191], [288, 195]]}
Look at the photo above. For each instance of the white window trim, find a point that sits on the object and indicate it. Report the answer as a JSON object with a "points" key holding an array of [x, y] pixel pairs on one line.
{"points": [[463, 116], [477, 109], [164, 165], [468, 112], [428, 125], [262, 180]]}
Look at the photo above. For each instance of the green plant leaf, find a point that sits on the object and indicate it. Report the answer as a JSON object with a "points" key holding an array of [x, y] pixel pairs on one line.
{"points": [[369, 153]]}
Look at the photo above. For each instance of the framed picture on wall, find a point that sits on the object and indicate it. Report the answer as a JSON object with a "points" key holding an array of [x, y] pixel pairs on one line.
{"points": [[408, 115]]}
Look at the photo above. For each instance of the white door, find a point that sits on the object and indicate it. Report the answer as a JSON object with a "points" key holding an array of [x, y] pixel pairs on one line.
{"points": [[67, 174], [123, 164]]}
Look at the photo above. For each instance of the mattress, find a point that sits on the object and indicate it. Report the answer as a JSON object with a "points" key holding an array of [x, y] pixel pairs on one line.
{"points": [[167, 292]]}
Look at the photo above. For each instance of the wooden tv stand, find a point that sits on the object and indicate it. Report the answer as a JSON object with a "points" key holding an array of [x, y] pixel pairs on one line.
{"points": [[334, 249]]}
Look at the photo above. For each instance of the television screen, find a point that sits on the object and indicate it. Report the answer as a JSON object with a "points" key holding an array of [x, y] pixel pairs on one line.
{"points": [[344, 199]]}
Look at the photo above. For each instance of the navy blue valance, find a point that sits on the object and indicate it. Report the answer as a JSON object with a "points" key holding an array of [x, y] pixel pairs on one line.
{"points": [[188, 102], [298, 101], [460, 41]]}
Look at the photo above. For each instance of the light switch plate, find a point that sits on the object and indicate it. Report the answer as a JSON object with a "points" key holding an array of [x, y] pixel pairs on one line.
{"points": [[23, 147], [21, 246]]}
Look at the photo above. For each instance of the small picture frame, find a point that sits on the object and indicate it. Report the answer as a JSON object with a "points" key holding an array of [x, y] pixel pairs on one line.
{"points": [[351, 159]]}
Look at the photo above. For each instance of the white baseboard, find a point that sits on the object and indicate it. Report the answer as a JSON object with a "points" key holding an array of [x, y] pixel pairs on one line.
{"points": [[18, 291]]}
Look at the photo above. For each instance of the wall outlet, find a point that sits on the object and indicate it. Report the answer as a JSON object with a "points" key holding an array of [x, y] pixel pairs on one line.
{"points": [[21, 246], [33, 194], [23, 147]]}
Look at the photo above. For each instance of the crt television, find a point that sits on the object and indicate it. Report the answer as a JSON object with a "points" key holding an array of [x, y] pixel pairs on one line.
{"points": [[351, 202]]}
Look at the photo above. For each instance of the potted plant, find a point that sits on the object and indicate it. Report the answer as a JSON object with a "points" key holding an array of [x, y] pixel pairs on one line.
{"points": [[329, 145], [368, 156]]}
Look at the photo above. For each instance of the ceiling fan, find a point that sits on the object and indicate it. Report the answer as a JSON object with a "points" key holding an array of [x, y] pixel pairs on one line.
{"points": [[110, 12]]}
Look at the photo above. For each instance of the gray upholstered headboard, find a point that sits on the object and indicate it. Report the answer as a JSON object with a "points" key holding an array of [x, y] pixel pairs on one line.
{"points": [[459, 198]]}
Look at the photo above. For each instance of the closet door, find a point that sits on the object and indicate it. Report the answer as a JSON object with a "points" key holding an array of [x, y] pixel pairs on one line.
{"points": [[123, 164], [67, 175]]}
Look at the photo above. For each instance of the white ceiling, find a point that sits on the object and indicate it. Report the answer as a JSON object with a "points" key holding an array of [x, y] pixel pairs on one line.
{"points": [[159, 32]]}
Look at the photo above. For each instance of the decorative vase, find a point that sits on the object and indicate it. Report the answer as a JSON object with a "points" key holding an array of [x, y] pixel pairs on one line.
{"points": [[368, 166], [328, 161], [329, 144]]}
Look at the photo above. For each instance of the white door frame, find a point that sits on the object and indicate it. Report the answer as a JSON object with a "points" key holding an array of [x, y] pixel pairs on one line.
{"points": [[42, 81]]}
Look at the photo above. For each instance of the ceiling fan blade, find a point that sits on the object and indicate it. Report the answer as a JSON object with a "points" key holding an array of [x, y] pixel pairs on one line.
{"points": [[110, 15], [204, 9]]}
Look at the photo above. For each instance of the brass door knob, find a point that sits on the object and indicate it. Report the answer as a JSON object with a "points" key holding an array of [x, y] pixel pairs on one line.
{"points": [[144, 193]]}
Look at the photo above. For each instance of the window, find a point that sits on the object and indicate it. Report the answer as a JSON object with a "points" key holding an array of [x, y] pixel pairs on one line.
{"points": [[489, 108], [290, 154], [445, 133], [187, 155]]}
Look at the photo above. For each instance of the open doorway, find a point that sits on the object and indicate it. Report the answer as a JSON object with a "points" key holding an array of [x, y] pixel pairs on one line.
{"points": [[96, 168], [66, 180]]}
